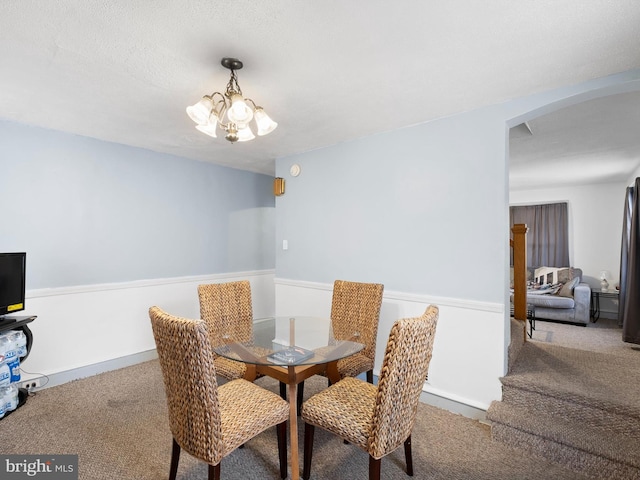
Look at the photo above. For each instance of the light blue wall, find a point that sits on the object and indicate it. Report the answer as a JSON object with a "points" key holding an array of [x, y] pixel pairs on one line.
{"points": [[88, 211], [396, 208]]}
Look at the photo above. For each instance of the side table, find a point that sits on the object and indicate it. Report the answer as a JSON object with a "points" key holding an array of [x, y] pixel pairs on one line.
{"points": [[596, 294], [531, 317]]}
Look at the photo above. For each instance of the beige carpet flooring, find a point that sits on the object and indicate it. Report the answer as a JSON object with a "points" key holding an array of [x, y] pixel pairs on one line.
{"points": [[117, 423], [603, 336]]}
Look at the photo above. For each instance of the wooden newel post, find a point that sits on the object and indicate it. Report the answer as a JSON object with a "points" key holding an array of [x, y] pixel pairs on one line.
{"points": [[519, 244]]}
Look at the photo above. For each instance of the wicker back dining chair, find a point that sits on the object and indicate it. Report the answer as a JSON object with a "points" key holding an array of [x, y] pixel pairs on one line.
{"points": [[355, 308], [207, 420], [227, 310], [377, 419]]}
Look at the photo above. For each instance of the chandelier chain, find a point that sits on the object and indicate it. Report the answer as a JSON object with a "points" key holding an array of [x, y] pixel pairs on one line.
{"points": [[233, 86]]}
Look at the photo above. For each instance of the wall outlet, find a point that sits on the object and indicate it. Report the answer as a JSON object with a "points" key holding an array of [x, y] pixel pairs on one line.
{"points": [[30, 385]]}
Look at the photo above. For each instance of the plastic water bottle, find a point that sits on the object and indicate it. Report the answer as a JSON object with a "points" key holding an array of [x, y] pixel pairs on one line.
{"points": [[14, 369], [5, 375], [4, 347], [11, 355], [20, 340], [11, 398], [3, 403]]}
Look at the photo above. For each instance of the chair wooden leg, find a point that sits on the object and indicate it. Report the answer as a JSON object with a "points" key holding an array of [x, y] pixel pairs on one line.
{"points": [[300, 396], [374, 468], [283, 390], [282, 448], [214, 472], [308, 450], [408, 457], [370, 376], [175, 458]]}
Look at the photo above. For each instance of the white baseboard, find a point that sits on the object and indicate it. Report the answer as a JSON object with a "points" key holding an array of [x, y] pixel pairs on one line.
{"points": [[460, 408], [60, 378]]}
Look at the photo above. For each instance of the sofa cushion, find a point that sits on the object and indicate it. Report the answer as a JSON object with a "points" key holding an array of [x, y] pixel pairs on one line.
{"points": [[567, 288], [565, 275], [551, 301]]}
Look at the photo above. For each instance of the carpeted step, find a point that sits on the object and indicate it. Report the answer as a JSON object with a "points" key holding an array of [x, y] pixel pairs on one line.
{"points": [[586, 449], [575, 407], [616, 418]]}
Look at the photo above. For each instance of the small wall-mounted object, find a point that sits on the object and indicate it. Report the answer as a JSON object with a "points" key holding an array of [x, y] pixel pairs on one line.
{"points": [[278, 186], [294, 170]]}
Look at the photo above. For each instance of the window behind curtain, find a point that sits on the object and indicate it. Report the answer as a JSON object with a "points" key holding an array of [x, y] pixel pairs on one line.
{"points": [[548, 235]]}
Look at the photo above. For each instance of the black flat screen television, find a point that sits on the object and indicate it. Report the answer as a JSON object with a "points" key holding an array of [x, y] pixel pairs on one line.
{"points": [[12, 282]]}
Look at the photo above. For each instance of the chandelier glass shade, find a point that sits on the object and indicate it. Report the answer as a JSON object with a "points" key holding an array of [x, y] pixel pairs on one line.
{"points": [[230, 111]]}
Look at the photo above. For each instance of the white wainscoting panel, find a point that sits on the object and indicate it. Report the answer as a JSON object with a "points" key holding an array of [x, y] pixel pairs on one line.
{"points": [[94, 328]]}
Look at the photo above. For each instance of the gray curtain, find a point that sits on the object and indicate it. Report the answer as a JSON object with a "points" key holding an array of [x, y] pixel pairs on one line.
{"points": [[629, 302], [548, 235]]}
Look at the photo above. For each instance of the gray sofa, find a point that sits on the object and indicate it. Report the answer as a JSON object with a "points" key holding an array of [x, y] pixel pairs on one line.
{"points": [[569, 301]]}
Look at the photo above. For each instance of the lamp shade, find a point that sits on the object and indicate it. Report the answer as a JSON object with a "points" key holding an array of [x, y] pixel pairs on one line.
{"points": [[209, 129], [245, 134], [200, 112], [264, 122]]}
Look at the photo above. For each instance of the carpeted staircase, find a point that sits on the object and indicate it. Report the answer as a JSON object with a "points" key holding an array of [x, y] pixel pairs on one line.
{"points": [[574, 407]]}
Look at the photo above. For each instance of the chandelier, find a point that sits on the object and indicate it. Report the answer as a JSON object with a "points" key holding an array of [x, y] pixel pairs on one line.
{"points": [[230, 111]]}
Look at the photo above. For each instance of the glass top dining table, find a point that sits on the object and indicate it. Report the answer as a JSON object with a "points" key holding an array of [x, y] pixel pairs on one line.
{"points": [[290, 349], [289, 341]]}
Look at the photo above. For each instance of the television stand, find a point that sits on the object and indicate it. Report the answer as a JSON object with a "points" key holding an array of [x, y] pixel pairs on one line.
{"points": [[7, 321]]}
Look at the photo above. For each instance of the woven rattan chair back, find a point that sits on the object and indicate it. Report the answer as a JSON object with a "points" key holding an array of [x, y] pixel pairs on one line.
{"points": [[355, 307], [226, 307], [402, 376], [185, 357]]}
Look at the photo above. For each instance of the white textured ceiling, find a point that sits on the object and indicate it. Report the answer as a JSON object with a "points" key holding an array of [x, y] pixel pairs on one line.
{"points": [[592, 142], [326, 71]]}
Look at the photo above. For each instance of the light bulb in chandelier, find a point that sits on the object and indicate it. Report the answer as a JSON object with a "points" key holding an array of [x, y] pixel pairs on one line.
{"points": [[239, 113], [212, 111]]}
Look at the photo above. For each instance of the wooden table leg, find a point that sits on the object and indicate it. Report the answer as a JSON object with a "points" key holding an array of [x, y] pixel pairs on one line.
{"points": [[250, 373], [332, 372], [293, 424]]}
